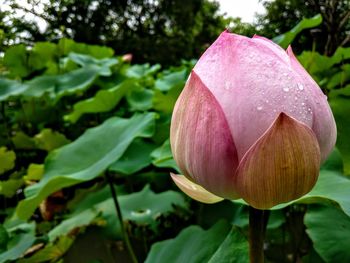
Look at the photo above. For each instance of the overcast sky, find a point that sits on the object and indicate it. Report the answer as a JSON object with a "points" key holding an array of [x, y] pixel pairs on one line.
{"points": [[241, 8], [244, 9]]}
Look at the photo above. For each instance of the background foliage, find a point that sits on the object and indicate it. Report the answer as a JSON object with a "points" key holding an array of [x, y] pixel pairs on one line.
{"points": [[76, 119]]}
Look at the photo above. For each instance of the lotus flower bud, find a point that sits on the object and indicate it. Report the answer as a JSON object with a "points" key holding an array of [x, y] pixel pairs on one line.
{"points": [[250, 123]]}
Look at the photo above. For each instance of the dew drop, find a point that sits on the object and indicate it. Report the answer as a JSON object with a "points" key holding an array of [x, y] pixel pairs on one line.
{"points": [[303, 104], [141, 212], [285, 89], [259, 108], [300, 86]]}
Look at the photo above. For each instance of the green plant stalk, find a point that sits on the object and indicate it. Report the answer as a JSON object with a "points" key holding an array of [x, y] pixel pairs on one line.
{"points": [[120, 218], [257, 226]]}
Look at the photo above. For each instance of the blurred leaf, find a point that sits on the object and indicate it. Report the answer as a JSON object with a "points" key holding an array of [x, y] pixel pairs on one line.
{"points": [[51, 252], [143, 208], [61, 85], [140, 100], [99, 147], [7, 159], [65, 46], [314, 62], [136, 157], [171, 80], [330, 187], [49, 140], [329, 230], [341, 54], [165, 102], [234, 249], [285, 39], [10, 88], [334, 162], [140, 71], [276, 219], [4, 238], [339, 79], [23, 141], [42, 54], [9, 187], [22, 237], [91, 199], [162, 157], [312, 257], [72, 222], [341, 111], [322, 66], [339, 92], [103, 101], [86, 60], [15, 59], [34, 173], [193, 244]]}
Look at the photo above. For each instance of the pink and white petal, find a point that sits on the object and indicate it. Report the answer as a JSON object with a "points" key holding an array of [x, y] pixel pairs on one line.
{"points": [[194, 191], [323, 124], [281, 166], [253, 84], [201, 140]]}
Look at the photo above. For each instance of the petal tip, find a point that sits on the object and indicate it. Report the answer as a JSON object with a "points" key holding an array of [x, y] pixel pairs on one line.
{"points": [[194, 191]]}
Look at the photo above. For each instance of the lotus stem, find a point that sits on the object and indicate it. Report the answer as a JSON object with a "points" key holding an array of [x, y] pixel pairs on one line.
{"points": [[120, 218], [257, 226]]}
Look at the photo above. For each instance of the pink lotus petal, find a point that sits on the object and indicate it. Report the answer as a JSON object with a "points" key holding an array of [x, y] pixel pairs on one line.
{"points": [[201, 141], [194, 191], [253, 84], [281, 166], [280, 52], [323, 121]]}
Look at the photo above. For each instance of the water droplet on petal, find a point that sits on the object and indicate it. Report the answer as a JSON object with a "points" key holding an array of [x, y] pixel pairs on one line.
{"points": [[259, 108], [285, 89], [300, 86]]}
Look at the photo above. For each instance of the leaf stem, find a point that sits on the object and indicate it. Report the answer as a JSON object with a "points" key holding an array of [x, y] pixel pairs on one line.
{"points": [[257, 226], [120, 218]]}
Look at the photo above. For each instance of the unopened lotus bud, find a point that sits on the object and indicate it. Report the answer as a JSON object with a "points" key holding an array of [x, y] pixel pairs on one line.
{"points": [[250, 123]]}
